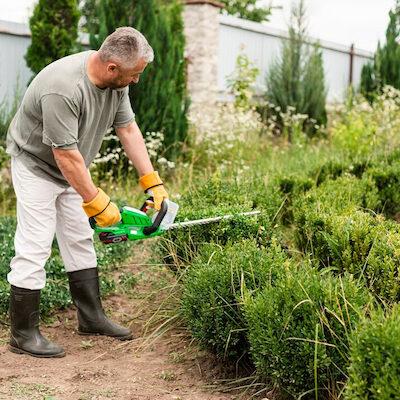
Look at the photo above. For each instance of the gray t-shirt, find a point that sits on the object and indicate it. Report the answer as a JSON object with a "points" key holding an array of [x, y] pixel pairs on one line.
{"points": [[62, 108]]}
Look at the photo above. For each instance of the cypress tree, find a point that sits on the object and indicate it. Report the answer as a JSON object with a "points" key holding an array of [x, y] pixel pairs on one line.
{"points": [[385, 68], [54, 29], [159, 98], [297, 79]]}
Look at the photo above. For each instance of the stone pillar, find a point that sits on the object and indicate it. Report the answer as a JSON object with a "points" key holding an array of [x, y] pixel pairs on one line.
{"points": [[201, 29]]}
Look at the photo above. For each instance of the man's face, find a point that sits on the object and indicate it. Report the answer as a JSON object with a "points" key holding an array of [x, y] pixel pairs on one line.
{"points": [[121, 78]]}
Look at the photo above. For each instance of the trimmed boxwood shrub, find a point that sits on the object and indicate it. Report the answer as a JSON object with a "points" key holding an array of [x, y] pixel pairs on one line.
{"points": [[364, 245], [299, 328], [313, 210], [374, 371], [213, 286], [387, 180], [367, 247], [291, 186], [213, 199]]}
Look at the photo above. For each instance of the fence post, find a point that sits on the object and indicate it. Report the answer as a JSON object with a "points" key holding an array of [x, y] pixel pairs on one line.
{"points": [[351, 64], [201, 29]]}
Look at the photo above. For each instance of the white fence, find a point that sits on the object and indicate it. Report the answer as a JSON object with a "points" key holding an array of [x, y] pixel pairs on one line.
{"points": [[262, 45]]}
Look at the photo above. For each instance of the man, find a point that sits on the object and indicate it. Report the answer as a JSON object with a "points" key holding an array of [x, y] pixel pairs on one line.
{"points": [[53, 138]]}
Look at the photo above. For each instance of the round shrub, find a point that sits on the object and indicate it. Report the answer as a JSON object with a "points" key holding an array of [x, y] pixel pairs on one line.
{"points": [[387, 178], [214, 199], [213, 286], [374, 371], [313, 211], [299, 327], [366, 246]]}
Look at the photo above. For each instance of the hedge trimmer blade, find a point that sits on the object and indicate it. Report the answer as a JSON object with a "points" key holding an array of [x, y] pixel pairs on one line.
{"points": [[206, 220]]}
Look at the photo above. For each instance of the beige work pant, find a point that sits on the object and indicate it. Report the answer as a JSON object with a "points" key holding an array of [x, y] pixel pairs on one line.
{"points": [[45, 208]]}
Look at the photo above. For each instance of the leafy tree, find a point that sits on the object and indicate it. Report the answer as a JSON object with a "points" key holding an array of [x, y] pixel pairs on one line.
{"points": [[297, 79], [247, 9], [159, 99], [54, 29], [385, 69]]}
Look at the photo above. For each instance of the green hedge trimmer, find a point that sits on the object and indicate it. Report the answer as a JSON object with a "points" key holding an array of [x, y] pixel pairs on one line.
{"points": [[136, 224]]}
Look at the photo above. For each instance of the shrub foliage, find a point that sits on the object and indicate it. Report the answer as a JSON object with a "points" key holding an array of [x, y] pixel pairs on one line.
{"points": [[374, 372], [214, 286], [299, 328]]}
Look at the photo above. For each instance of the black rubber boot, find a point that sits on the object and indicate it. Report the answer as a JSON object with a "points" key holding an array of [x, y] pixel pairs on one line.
{"points": [[25, 335], [84, 285]]}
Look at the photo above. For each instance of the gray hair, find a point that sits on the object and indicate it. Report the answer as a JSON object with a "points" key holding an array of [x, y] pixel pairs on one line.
{"points": [[126, 46]]}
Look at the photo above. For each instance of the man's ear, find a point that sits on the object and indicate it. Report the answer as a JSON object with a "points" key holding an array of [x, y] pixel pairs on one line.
{"points": [[112, 67]]}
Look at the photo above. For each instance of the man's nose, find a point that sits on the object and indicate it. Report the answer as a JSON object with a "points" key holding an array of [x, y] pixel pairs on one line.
{"points": [[135, 80]]}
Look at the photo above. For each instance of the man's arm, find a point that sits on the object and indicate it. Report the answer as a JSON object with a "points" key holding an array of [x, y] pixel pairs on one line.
{"points": [[95, 202], [72, 166], [135, 148]]}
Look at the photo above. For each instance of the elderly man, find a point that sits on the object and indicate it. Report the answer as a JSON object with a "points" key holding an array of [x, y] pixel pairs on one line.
{"points": [[53, 138]]}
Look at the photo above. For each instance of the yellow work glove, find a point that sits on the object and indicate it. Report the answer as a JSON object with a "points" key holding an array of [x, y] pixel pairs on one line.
{"points": [[153, 186], [102, 209]]}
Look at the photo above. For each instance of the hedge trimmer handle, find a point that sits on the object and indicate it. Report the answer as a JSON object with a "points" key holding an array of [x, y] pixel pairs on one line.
{"points": [[92, 222], [148, 230], [146, 227]]}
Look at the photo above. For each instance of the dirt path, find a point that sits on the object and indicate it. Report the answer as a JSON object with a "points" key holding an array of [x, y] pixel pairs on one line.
{"points": [[102, 368]]}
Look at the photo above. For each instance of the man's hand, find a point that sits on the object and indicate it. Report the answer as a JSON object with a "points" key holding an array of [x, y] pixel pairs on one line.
{"points": [[153, 186], [102, 209]]}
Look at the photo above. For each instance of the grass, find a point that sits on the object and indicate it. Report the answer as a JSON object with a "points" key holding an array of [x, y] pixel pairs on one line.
{"points": [[169, 376], [86, 344], [92, 395], [31, 391]]}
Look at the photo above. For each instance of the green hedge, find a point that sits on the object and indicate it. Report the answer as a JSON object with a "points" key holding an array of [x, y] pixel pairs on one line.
{"points": [[374, 371], [214, 198], [387, 180], [313, 210], [331, 226], [299, 328], [382, 169], [213, 286]]}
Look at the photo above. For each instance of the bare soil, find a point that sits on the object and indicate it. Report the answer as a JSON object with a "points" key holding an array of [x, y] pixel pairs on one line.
{"points": [[98, 367]]}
